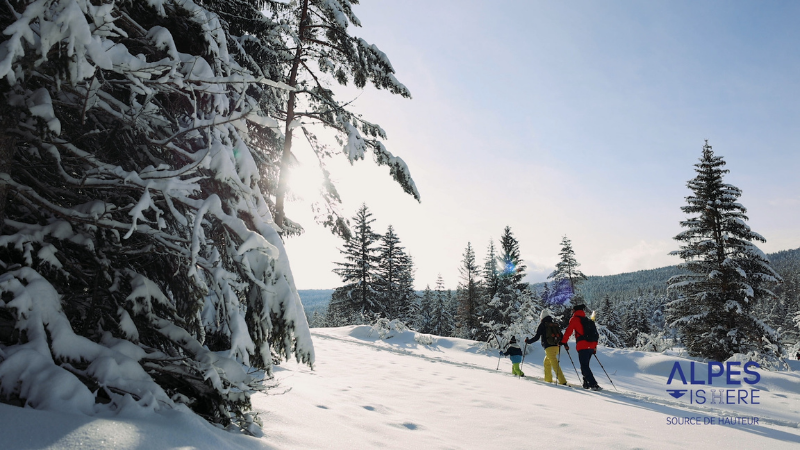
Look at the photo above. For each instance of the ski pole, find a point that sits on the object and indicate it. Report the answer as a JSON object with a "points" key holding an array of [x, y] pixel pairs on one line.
{"points": [[604, 370], [498, 348], [525, 349], [573, 366], [523, 359]]}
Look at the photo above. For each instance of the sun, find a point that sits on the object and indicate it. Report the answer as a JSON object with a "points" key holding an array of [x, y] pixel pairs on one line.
{"points": [[305, 181]]}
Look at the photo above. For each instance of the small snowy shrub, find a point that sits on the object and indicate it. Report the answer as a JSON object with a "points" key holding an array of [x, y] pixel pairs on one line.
{"points": [[653, 342], [387, 329], [608, 338], [424, 339], [767, 359]]}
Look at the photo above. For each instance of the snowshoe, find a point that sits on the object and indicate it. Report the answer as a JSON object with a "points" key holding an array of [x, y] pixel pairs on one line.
{"points": [[596, 388]]}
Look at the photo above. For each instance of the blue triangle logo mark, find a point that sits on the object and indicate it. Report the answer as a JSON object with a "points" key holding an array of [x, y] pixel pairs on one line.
{"points": [[677, 393]]}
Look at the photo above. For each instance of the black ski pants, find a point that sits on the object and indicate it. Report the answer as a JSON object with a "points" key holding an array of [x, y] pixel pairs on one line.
{"points": [[585, 356]]}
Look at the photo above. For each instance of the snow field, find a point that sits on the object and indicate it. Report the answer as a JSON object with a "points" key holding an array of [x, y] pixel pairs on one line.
{"points": [[31, 429], [396, 393], [368, 393]]}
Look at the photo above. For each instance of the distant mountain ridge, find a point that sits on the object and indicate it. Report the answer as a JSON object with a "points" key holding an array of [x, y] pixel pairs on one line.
{"points": [[315, 299], [627, 285]]}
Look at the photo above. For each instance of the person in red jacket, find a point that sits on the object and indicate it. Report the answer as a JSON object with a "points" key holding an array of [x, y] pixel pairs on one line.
{"points": [[585, 348]]}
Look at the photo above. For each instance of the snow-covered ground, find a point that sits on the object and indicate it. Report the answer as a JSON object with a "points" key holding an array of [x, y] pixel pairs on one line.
{"points": [[397, 393]]}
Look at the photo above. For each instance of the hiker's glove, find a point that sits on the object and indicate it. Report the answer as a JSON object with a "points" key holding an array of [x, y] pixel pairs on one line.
{"points": [[566, 347], [594, 351]]}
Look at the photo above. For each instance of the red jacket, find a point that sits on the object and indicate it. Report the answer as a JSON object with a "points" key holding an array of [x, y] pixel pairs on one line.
{"points": [[575, 325]]}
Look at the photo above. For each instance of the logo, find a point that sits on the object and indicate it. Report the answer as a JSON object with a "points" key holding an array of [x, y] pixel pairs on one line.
{"points": [[734, 391]]}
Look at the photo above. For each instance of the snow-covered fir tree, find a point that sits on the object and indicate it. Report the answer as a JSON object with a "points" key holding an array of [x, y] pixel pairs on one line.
{"points": [[394, 277], [609, 325], [468, 296], [567, 277], [423, 321], [442, 321], [527, 320], [138, 250], [151, 141], [320, 50], [510, 264], [635, 319], [407, 296], [359, 296], [727, 274], [503, 308], [779, 313], [546, 294], [490, 273]]}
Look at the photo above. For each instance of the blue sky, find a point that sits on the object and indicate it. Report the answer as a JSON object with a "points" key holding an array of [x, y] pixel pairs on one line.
{"points": [[572, 118]]}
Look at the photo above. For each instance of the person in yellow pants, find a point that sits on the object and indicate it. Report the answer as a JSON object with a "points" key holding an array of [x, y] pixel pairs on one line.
{"points": [[551, 364], [550, 334]]}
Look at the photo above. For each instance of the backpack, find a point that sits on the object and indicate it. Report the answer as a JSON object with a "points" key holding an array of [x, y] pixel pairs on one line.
{"points": [[552, 333], [590, 333]]}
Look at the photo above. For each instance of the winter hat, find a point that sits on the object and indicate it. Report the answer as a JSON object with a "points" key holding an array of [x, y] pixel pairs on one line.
{"points": [[578, 303], [545, 313]]}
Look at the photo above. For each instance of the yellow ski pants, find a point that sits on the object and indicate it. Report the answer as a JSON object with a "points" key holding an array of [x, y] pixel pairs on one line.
{"points": [[551, 363]]}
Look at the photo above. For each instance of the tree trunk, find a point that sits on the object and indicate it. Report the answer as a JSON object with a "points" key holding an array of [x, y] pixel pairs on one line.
{"points": [[286, 157], [7, 146]]}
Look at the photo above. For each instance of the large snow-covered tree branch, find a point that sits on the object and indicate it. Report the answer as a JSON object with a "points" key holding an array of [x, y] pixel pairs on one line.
{"points": [[140, 252]]}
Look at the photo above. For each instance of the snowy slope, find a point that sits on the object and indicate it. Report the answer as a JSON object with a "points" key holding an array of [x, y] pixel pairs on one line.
{"points": [[368, 393], [397, 393]]}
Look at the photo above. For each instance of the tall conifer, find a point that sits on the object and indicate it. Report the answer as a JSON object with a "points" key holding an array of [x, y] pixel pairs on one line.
{"points": [[504, 307], [567, 276], [727, 274], [394, 276], [510, 263], [359, 270], [490, 272], [468, 295], [442, 321]]}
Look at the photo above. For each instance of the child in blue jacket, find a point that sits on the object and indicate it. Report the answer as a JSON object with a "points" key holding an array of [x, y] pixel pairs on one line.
{"points": [[515, 353]]}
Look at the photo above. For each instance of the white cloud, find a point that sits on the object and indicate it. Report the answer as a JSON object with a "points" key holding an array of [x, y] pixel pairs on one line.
{"points": [[642, 256]]}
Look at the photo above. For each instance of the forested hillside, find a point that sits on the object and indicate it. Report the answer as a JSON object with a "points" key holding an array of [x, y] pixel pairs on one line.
{"points": [[632, 284], [631, 307], [628, 284], [623, 285]]}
